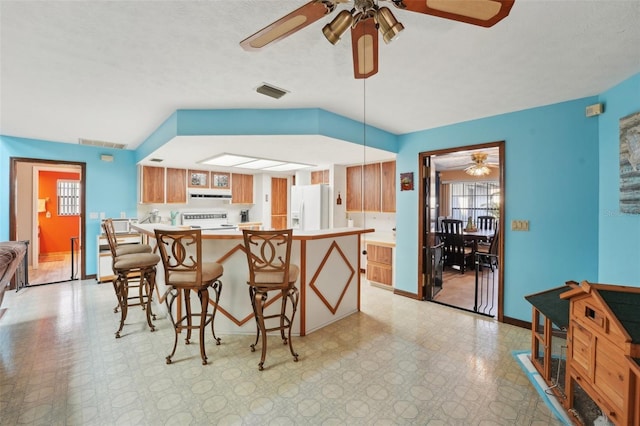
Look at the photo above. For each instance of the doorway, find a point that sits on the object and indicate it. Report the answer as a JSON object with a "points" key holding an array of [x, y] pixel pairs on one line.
{"points": [[448, 192], [47, 208]]}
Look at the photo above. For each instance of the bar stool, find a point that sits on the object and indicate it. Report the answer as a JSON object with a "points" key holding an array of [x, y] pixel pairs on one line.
{"points": [[184, 270], [120, 250], [133, 270], [270, 269]]}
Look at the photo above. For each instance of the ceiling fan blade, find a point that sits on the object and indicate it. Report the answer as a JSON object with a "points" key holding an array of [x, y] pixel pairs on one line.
{"points": [[364, 44], [288, 24], [485, 13]]}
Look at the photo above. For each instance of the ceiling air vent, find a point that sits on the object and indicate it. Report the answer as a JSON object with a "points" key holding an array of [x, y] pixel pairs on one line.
{"points": [[101, 143], [272, 91], [156, 160]]}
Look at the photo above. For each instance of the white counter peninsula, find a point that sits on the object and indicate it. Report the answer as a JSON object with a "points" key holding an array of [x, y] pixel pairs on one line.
{"points": [[329, 283]]}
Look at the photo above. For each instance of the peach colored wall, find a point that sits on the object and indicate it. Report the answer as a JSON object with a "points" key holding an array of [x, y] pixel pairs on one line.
{"points": [[55, 231]]}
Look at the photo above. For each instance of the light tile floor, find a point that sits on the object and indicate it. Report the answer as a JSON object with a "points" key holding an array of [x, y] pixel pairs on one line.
{"points": [[398, 361]]}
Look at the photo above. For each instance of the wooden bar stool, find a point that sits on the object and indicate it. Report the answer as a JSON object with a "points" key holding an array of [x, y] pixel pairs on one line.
{"points": [[270, 270], [132, 270], [184, 271], [118, 250]]}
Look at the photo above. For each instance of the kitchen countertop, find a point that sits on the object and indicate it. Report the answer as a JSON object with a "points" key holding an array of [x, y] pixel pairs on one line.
{"points": [[385, 238], [148, 229]]}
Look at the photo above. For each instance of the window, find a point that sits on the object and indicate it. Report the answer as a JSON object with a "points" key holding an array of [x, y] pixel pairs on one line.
{"points": [[473, 199], [68, 197]]}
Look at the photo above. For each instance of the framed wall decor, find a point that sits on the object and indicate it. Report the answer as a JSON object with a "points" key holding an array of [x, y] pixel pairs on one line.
{"points": [[198, 179], [220, 180], [406, 181], [630, 164]]}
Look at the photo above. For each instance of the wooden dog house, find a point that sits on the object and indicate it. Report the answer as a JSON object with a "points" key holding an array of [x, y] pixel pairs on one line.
{"points": [[603, 344]]}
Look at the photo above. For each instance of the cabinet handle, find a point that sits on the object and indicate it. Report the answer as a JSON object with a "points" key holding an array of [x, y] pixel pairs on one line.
{"points": [[364, 252]]}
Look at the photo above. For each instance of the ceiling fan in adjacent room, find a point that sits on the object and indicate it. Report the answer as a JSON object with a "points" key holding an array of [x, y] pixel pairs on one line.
{"points": [[479, 166], [366, 18]]}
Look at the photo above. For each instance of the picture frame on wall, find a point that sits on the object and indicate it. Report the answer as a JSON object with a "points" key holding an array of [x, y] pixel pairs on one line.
{"points": [[630, 163], [406, 181], [198, 179]]}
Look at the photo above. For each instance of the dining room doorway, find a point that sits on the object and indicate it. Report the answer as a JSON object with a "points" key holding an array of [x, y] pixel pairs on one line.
{"points": [[462, 184]]}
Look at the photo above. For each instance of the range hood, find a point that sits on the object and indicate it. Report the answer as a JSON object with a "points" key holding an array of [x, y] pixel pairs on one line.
{"points": [[219, 194]]}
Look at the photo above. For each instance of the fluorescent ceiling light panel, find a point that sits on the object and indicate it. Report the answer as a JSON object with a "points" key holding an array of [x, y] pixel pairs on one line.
{"points": [[287, 167], [228, 160], [261, 164]]}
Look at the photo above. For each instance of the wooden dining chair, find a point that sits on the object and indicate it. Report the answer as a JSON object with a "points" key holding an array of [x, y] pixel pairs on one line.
{"points": [[486, 223], [455, 252]]}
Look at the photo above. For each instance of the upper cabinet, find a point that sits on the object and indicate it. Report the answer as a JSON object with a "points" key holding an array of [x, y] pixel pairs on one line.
{"points": [[152, 184], [176, 185], [372, 187], [198, 179], [388, 185], [220, 180], [354, 188], [319, 177], [241, 188]]}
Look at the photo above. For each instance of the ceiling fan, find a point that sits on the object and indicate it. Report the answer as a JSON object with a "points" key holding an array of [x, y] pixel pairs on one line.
{"points": [[479, 167], [366, 18]]}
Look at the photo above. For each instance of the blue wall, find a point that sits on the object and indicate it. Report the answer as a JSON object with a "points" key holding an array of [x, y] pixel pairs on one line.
{"points": [[562, 175], [551, 166], [111, 187], [619, 253]]}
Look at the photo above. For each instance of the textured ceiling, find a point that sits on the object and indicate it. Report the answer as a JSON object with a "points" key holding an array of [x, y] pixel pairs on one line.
{"points": [[115, 70]]}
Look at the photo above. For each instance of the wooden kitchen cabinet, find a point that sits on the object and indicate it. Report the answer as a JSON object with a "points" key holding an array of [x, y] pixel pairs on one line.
{"points": [[354, 188], [279, 203], [241, 188], [320, 177], [388, 185], [371, 187], [380, 264], [152, 182], [176, 185]]}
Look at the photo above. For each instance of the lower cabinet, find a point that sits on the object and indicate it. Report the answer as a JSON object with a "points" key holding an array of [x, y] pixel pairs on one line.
{"points": [[380, 264], [105, 270]]}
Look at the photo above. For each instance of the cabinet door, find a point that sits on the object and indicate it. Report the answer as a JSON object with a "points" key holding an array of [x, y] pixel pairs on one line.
{"points": [[371, 187], [388, 170], [354, 189], [241, 188], [278, 203], [152, 184], [176, 185]]}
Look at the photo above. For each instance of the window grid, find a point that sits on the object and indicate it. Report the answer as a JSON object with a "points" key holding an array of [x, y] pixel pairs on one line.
{"points": [[68, 197], [473, 199]]}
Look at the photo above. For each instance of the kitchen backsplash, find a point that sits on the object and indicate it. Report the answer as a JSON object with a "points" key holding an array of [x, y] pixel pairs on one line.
{"points": [[381, 222]]}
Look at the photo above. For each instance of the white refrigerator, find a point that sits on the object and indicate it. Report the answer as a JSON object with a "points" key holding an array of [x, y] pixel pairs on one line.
{"points": [[310, 207]]}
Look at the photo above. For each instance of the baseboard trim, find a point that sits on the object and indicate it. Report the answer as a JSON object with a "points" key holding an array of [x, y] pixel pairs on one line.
{"points": [[406, 294], [516, 322]]}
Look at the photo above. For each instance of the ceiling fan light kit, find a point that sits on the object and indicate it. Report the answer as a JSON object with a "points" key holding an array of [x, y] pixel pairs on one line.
{"points": [[479, 167], [366, 18]]}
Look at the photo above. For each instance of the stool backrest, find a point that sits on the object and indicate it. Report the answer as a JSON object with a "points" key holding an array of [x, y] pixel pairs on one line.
{"points": [[268, 256], [110, 233], [181, 254]]}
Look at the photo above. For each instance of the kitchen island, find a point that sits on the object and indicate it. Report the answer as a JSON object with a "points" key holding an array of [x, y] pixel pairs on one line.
{"points": [[329, 282]]}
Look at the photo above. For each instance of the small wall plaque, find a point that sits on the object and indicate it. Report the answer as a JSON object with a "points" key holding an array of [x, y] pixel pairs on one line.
{"points": [[406, 181]]}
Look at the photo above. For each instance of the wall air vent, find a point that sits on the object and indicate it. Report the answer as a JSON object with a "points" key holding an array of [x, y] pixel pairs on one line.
{"points": [[103, 144], [271, 91]]}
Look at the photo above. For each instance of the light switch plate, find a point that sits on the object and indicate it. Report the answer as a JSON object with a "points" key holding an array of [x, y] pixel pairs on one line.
{"points": [[519, 225]]}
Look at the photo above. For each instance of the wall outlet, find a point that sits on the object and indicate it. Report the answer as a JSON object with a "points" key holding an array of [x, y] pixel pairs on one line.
{"points": [[123, 215], [103, 215], [93, 215], [519, 225]]}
